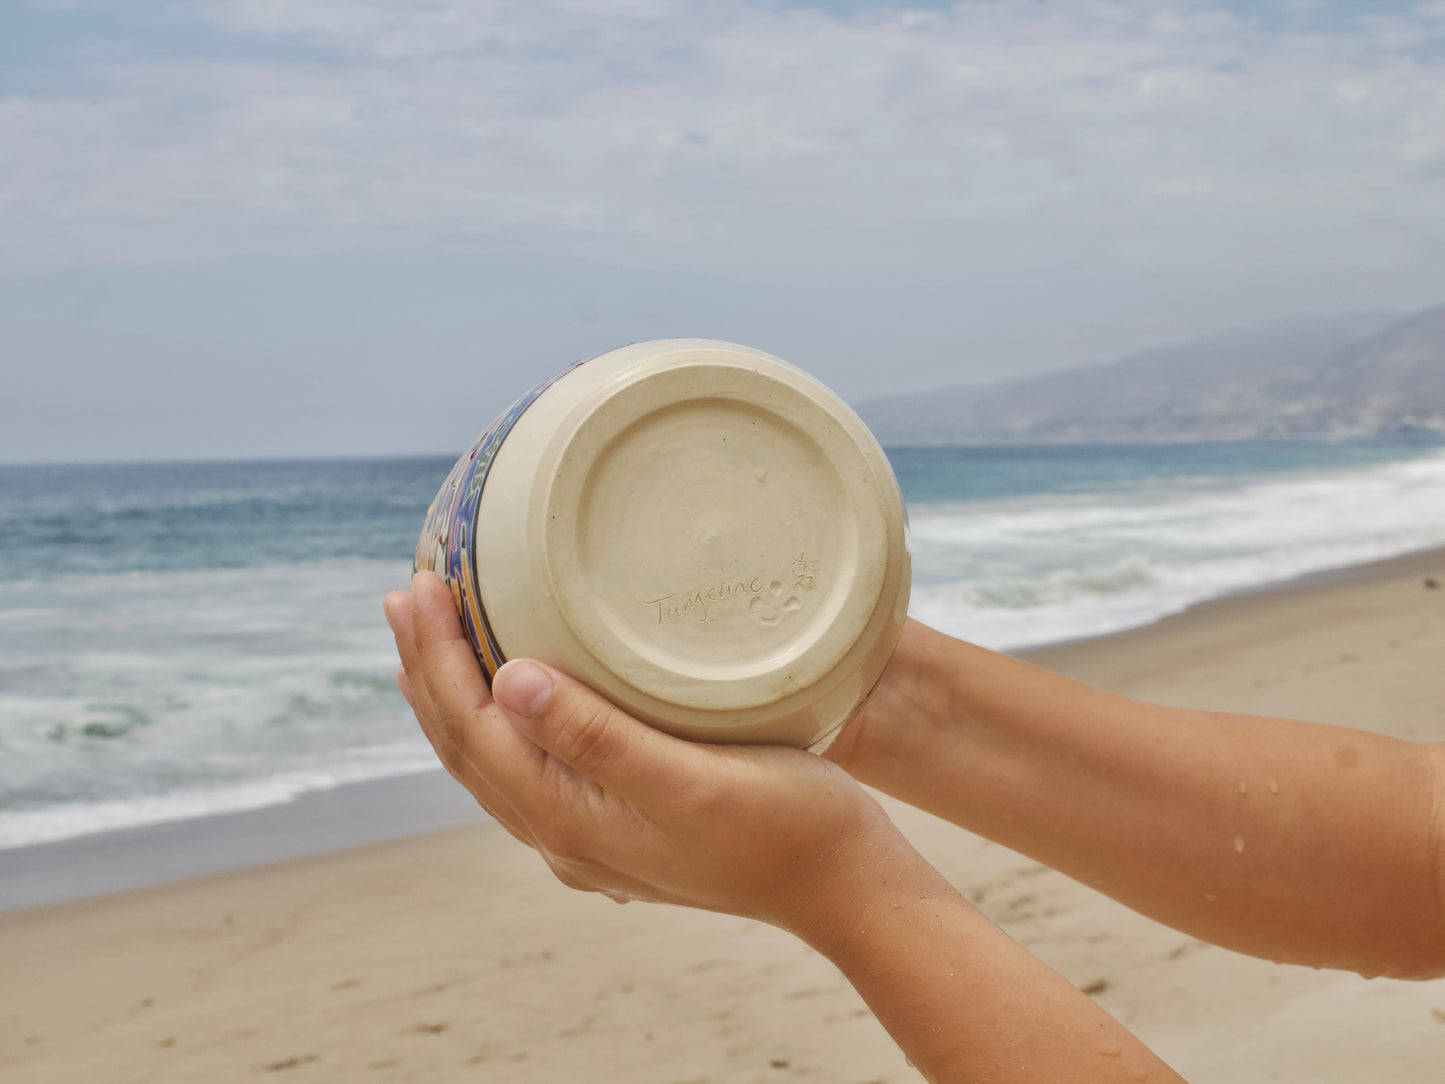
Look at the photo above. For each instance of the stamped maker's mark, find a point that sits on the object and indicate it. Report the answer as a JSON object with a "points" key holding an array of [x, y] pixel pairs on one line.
{"points": [[766, 600], [770, 606]]}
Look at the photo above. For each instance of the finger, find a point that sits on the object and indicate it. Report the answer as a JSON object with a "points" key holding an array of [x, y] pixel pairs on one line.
{"points": [[399, 606], [511, 824], [444, 655], [404, 684], [600, 741], [462, 717]]}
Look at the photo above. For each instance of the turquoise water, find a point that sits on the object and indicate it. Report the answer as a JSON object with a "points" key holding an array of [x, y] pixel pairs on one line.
{"points": [[181, 639], [929, 475], [113, 518]]}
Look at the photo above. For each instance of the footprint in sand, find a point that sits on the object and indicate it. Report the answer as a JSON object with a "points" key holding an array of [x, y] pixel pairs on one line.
{"points": [[291, 1063]]}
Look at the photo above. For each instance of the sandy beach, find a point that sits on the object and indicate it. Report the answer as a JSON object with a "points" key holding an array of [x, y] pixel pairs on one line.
{"points": [[455, 956]]}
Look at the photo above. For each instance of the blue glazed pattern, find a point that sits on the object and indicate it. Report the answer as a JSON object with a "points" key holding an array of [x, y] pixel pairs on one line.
{"points": [[447, 542]]}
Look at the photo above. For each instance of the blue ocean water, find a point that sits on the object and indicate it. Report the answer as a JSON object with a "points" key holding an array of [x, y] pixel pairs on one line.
{"points": [[183, 639]]}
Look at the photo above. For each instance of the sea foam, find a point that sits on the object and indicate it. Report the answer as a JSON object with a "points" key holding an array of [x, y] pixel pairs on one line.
{"points": [[177, 641], [1012, 572]]}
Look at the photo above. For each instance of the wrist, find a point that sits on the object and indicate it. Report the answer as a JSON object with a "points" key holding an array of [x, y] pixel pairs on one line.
{"points": [[879, 884], [910, 701]]}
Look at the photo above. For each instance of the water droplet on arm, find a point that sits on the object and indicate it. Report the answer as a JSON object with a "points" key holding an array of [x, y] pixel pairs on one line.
{"points": [[1238, 844], [1273, 786], [1243, 787]]}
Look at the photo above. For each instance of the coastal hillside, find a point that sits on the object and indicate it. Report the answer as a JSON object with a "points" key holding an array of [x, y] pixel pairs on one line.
{"points": [[1331, 377]]}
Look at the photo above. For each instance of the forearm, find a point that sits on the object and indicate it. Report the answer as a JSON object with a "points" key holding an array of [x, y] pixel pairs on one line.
{"points": [[967, 1003], [1279, 838]]}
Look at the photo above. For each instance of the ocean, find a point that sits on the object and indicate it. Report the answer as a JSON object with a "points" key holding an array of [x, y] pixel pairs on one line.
{"points": [[178, 640]]}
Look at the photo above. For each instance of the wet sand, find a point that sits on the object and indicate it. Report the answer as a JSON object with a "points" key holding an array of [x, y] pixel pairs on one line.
{"points": [[455, 956], [316, 823]]}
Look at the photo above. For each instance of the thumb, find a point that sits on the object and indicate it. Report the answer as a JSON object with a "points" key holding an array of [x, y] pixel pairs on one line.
{"points": [[587, 732]]}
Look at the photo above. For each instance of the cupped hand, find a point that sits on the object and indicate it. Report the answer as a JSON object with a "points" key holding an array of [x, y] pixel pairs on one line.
{"points": [[616, 807], [906, 699]]}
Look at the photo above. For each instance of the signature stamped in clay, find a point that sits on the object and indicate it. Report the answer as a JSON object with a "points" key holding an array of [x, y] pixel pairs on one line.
{"points": [[765, 600]]}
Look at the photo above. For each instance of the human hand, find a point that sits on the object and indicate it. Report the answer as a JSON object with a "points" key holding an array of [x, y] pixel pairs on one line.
{"points": [[616, 807], [907, 698], [775, 834]]}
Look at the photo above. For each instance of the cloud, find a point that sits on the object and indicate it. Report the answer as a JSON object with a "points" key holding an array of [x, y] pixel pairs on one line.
{"points": [[781, 138]]}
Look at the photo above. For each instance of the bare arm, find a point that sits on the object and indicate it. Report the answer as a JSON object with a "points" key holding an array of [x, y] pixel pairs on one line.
{"points": [[970, 1004], [776, 834], [1288, 840]]}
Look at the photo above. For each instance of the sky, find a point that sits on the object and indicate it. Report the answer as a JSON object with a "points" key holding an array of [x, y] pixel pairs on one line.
{"points": [[236, 228]]}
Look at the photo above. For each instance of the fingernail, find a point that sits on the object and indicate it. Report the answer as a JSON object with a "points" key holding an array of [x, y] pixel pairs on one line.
{"points": [[522, 687]]}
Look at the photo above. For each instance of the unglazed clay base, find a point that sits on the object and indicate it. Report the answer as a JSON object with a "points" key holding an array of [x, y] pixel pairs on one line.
{"points": [[703, 534]]}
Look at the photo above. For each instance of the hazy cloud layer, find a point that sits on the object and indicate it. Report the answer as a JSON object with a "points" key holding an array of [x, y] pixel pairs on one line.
{"points": [[655, 130], [235, 227]]}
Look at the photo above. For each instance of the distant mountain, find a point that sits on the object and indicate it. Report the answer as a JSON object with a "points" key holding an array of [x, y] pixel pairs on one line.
{"points": [[1333, 377]]}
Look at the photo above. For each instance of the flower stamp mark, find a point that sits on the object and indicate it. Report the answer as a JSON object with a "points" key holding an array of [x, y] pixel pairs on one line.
{"points": [[766, 601], [770, 606]]}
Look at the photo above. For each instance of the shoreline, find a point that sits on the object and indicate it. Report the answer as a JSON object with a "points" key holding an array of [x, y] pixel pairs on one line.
{"points": [[396, 807], [1415, 563], [315, 823], [456, 955]]}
